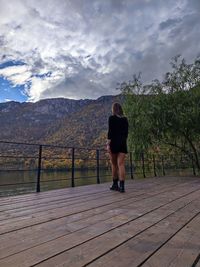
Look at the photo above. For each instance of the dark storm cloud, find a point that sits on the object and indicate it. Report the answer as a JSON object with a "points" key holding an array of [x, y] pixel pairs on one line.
{"points": [[88, 47], [168, 23]]}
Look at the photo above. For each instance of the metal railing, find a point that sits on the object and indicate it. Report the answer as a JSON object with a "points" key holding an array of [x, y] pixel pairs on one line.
{"points": [[19, 156]]}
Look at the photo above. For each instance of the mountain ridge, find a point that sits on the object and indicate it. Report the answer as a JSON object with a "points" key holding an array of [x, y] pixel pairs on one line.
{"points": [[58, 121]]}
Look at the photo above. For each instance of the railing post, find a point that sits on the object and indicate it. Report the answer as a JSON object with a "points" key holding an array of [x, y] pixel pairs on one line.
{"points": [[163, 167], [73, 159], [39, 168], [193, 167], [154, 166], [131, 165], [143, 167], [97, 160]]}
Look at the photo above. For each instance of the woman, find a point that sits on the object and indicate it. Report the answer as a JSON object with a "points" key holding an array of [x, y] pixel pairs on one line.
{"points": [[117, 146]]}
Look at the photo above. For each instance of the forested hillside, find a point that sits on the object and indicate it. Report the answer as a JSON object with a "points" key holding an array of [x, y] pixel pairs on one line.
{"points": [[57, 121]]}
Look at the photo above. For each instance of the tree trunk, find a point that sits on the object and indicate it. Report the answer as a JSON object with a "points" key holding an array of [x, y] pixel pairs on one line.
{"points": [[195, 153]]}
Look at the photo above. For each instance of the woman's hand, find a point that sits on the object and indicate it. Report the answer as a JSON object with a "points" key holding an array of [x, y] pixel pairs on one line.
{"points": [[108, 146]]}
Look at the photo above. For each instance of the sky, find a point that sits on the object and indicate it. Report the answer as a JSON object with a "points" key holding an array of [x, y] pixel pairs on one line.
{"points": [[84, 48]]}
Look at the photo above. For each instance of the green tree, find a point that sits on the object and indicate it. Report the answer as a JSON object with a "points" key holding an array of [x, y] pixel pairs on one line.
{"points": [[166, 113], [137, 107]]}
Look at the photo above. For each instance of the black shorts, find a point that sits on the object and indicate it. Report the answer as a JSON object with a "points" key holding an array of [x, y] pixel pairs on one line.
{"points": [[118, 146]]}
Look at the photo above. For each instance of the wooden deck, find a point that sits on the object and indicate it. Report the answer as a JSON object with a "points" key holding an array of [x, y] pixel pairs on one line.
{"points": [[155, 223]]}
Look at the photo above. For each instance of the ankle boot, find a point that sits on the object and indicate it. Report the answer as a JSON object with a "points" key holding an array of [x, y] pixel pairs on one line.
{"points": [[114, 186], [121, 187]]}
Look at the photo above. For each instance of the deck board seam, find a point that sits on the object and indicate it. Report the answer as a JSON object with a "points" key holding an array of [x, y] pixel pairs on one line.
{"points": [[87, 210], [108, 193], [197, 260], [40, 195], [85, 227], [165, 242], [116, 228]]}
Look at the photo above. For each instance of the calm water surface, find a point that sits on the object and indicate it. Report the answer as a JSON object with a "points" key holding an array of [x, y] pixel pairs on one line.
{"points": [[19, 182]]}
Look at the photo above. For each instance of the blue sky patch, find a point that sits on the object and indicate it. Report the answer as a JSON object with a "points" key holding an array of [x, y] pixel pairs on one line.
{"points": [[8, 92]]}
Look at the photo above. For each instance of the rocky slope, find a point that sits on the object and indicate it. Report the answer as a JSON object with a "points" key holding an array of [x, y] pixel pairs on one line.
{"points": [[57, 121]]}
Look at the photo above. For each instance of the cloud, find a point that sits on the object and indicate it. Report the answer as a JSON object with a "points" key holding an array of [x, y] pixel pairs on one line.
{"points": [[82, 49], [169, 23], [18, 75]]}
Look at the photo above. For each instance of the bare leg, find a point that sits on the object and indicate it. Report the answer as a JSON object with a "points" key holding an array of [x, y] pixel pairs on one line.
{"points": [[113, 160], [121, 165]]}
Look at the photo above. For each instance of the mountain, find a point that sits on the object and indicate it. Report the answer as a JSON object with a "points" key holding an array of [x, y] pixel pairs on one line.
{"points": [[57, 121]]}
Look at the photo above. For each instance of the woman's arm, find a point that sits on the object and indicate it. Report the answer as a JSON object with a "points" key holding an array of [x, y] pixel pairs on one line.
{"points": [[108, 145], [109, 136], [109, 128]]}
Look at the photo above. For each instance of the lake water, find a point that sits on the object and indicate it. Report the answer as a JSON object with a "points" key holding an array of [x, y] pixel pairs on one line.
{"points": [[19, 182]]}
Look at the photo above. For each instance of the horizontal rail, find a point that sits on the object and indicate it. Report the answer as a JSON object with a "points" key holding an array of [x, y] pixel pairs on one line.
{"points": [[91, 159], [50, 145]]}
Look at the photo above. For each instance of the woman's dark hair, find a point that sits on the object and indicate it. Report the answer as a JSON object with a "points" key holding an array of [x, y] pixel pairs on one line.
{"points": [[117, 109]]}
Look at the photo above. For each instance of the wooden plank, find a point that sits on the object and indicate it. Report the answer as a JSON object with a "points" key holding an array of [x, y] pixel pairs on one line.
{"points": [[123, 227], [53, 214], [42, 195], [75, 191], [182, 250], [136, 245], [69, 193], [67, 203], [38, 205], [72, 223], [11, 242], [19, 212], [56, 198], [36, 218], [46, 201], [84, 190]]}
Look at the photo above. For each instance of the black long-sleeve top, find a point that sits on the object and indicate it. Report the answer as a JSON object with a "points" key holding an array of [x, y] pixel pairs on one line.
{"points": [[118, 133], [117, 127]]}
